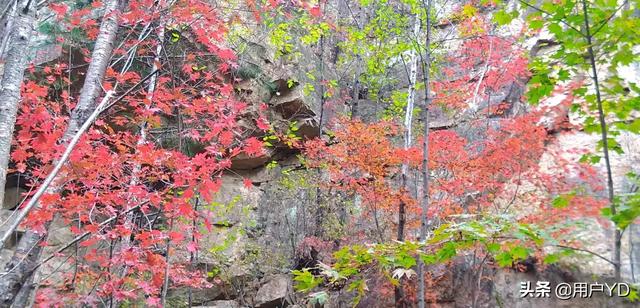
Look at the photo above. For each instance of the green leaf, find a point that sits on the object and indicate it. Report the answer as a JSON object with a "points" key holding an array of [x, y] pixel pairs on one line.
{"points": [[560, 202], [627, 212], [493, 247], [633, 295], [536, 24], [556, 29], [529, 234], [447, 252], [304, 280], [504, 259], [563, 75], [502, 17], [612, 144], [428, 259], [519, 253], [404, 260], [551, 258], [633, 127], [175, 37]]}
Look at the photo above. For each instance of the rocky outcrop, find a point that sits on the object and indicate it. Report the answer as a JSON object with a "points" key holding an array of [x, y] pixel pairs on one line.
{"points": [[221, 304], [274, 292], [257, 230]]}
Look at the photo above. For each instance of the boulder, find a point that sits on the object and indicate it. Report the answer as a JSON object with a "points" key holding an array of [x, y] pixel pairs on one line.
{"points": [[221, 304], [178, 297], [5, 256], [308, 128], [243, 161], [291, 104], [12, 197], [274, 292]]}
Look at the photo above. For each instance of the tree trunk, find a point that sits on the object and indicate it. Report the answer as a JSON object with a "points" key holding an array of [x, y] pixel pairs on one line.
{"points": [[355, 96], [412, 75], [425, 152], [14, 67], [617, 240], [20, 268], [7, 18]]}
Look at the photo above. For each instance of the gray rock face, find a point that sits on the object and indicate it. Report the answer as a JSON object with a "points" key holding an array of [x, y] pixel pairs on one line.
{"points": [[221, 304], [274, 292], [506, 286], [178, 297], [246, 162]]}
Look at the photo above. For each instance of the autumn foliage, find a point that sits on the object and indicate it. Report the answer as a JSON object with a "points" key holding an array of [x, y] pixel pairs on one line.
{"points": [[133, 190], [118, 170]]}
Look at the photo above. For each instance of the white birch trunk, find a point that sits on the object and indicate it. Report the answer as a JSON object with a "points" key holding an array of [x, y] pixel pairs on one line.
{"points": [[15, 64], [408, 121], [20, 267]]}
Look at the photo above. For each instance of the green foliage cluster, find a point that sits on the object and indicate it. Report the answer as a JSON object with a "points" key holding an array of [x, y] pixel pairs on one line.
{"points": [[613, 34], [382, 43], [286, 32], [506, 241], [628, 205]]}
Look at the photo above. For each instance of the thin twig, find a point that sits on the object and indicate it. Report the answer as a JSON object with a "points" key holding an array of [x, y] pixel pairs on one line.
{"points": [[549, 14], [587, 251]]}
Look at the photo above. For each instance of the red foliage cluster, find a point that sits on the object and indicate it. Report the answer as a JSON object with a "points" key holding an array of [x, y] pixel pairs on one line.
{"points": [[119, 170], [361, 159], [484, 64], [466, 177]]}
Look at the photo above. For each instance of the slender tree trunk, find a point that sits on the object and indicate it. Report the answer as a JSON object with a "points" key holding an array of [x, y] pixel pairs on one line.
{"points": [[14, 67], [617, 243], [7, 16], [165, 284], [408, 121], [355, 96], [20, 267], [425, 152], [322, 89], [129, 220], [321, 209]]}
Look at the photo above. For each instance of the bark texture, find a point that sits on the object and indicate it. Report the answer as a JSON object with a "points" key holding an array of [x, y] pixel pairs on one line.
{"points": [[412, 74], [21, 266], [424, 204], [15, 64]]}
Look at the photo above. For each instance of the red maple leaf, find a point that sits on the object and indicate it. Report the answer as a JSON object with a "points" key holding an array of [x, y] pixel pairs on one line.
{"points": [[192, 246], [253, 147], [88, 242], [247, 183], [185, 209], [226, 54], [315, 11], [262, 123], [59, 9], [176, 236], [226, 138], [209, 189]]}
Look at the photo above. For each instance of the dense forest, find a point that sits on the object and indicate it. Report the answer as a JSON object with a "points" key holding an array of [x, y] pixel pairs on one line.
{"points": [[329, 153]]}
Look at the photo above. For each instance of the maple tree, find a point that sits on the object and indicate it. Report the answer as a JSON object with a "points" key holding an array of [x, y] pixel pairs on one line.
{"points": [[118, 183], [125, 137]]}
